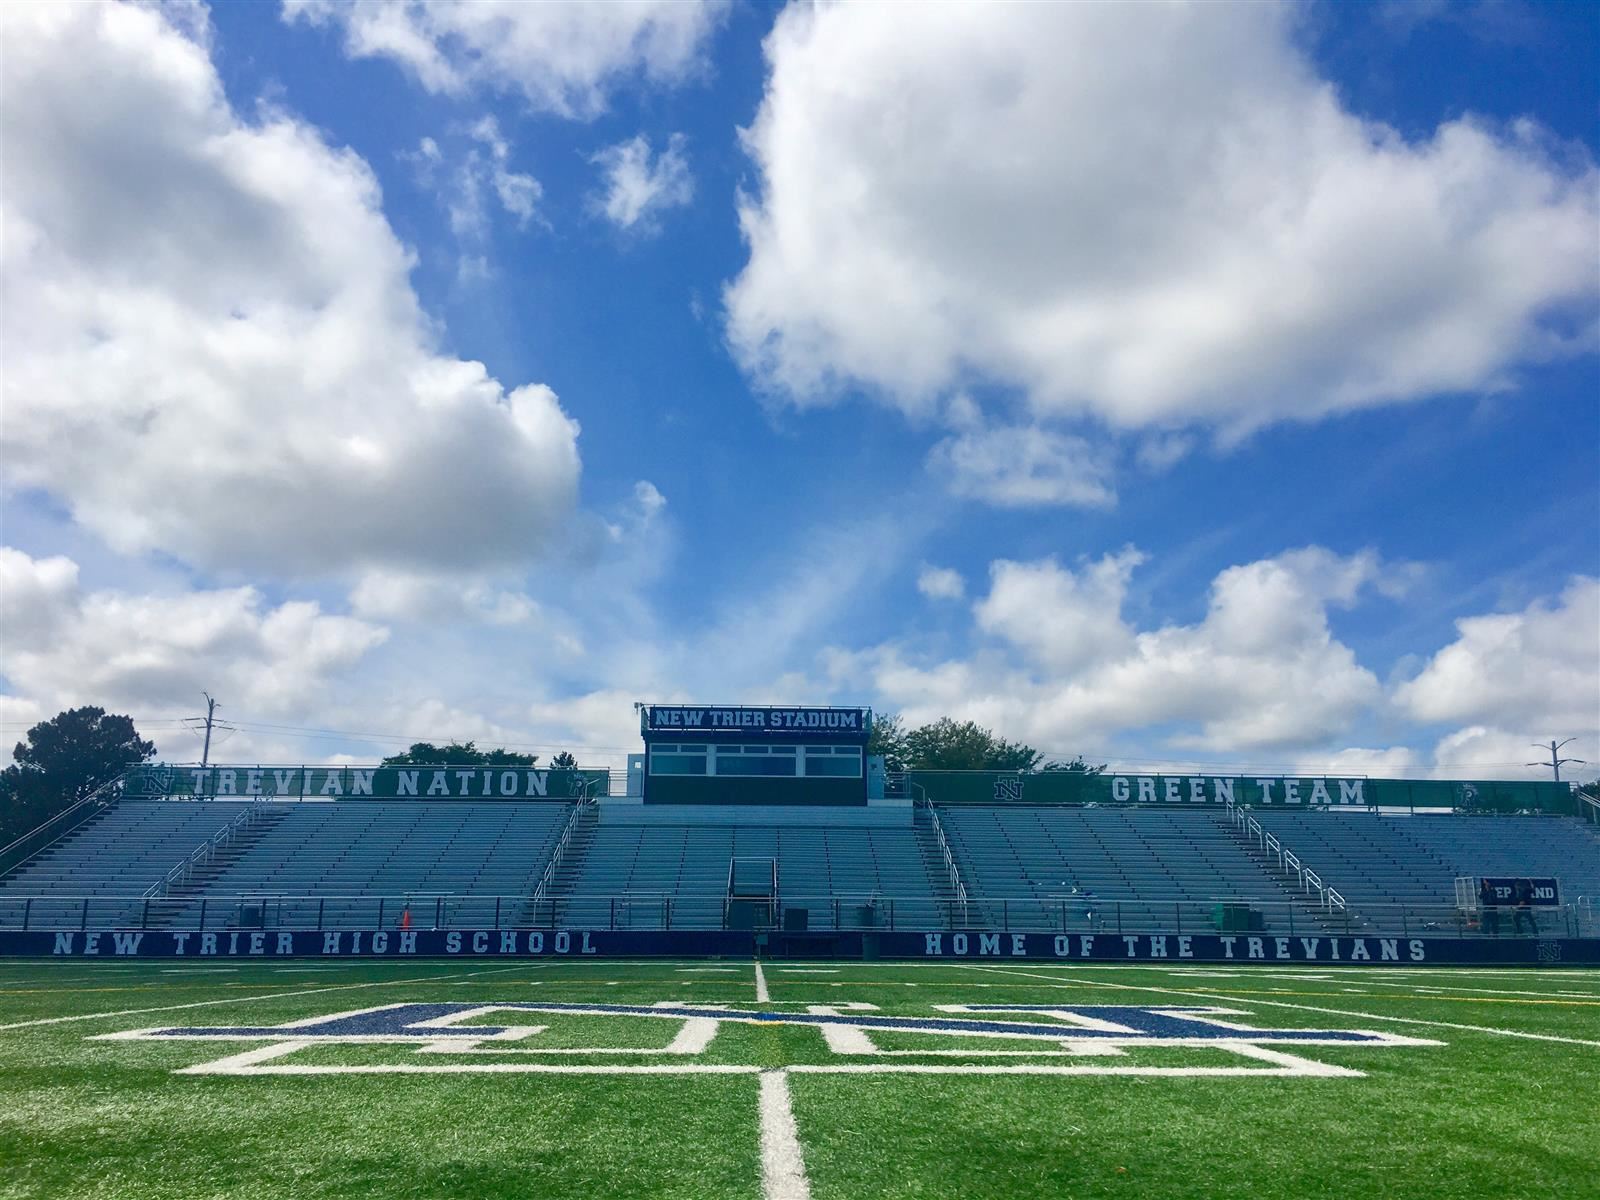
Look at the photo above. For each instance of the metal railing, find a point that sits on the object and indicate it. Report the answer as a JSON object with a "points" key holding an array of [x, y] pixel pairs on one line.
{"points": [[44, 835], [1059, 914], [957, 887], [568, 827], [205, 853], [1309, 881], [1588, 806]]}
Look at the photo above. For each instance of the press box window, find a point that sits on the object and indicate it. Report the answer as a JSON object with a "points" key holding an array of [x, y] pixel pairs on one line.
{"points": [[678, 760], [757, 761], [835, 762]]}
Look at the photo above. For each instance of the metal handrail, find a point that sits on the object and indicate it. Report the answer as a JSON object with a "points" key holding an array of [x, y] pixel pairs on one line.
{"points": [[102, 797], [1290, 863], [204, 852], [958, 887], [556, 855]]}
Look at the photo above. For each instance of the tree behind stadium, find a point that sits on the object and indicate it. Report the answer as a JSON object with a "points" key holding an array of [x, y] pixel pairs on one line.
{"points": [[61, 761], [458, 754], [950, 745]]}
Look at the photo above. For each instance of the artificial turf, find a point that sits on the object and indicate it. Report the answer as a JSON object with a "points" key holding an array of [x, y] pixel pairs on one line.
{"points": [[1484, 1113]]}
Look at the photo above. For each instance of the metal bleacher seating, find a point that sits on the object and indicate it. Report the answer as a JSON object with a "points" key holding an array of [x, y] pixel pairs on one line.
{"points": [[368, 864], [1364, 858], [1379, 860], [1021, 865], [346, 864], [669, 865], [449, 861], [119, 854]]}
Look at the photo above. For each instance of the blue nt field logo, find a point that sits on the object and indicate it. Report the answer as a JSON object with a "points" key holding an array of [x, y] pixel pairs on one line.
{"points": [[971, 1039]]}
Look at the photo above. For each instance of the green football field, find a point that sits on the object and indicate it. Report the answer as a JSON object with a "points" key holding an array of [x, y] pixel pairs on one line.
{"points": [[701, 1080]]}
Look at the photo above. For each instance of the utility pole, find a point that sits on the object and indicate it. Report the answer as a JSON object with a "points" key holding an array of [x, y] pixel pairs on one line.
{"points": [[211, 712], [1555, 763]]}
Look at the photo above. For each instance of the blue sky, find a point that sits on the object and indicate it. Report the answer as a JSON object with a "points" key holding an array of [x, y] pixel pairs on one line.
{"points": [[1168, 385]]}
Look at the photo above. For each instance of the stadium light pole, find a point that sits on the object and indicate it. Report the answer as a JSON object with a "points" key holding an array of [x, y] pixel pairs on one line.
{"points": [[1555, 763]]}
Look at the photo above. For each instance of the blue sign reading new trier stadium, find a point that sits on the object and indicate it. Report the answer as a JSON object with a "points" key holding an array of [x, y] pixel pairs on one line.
{"points": [[835, 724]]}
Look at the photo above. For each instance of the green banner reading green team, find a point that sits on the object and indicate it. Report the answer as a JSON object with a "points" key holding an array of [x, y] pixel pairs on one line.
{"points": [[369, 783], [1274, 791]]}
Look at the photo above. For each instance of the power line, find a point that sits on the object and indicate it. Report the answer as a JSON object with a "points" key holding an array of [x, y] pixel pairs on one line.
{"points": [[1556, 763]]}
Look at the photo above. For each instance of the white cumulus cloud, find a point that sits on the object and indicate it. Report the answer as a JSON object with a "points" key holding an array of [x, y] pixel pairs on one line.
{"points": [[221, 356], [1155, 215], [1023, 467], [561, 58], [1535, 670], [636, 188], [941, 583], [1062, 665], [65, 646]]}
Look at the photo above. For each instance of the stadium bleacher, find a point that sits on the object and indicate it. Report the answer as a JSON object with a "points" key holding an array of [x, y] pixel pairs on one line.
{"points": [[1380, 863], [460, 863], [352, 856], [1022, 864], [119, 854], [646, 866]]}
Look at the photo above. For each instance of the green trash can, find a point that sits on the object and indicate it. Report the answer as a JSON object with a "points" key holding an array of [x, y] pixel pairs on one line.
{"points": [[1235, 918]]}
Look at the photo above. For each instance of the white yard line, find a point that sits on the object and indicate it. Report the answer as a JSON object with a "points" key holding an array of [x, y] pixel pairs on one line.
{"points": [[1340, 1012], [783, 1168], [342, 987], [199, 970], [241, 1064], [762, 995]]}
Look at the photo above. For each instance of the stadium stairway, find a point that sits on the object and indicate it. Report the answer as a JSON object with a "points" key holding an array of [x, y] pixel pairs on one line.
{"points": [[542, 910], [1309, 910], [179, 899], [933, 863]]}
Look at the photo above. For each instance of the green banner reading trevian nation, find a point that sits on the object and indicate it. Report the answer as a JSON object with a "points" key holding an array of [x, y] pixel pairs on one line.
{"points": [[370, 783]]}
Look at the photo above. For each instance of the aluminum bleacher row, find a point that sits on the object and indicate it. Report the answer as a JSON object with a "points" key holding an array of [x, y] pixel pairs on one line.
{"points": [[362, 864], [1022, 865], [644, 867], [461, 855], [1402, 859], [119, 854], [355, 864], [338, 862]]}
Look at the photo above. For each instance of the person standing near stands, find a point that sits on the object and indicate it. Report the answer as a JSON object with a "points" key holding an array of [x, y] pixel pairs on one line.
{"points": [[1489, 919], [1522, 895]]}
